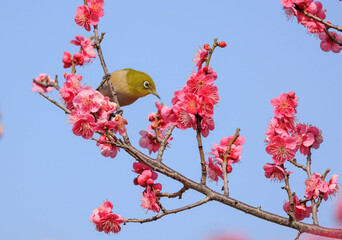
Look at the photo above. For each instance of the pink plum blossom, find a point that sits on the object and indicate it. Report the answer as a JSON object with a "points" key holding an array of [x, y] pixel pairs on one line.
{"points": [[42, 78], [96, 6], [277, 127], [219, 151], [318, 136], [140, 167], [106, 221], [282, 149], [67, 59], [274, 172], [314, 186], [70, 89], [301, 211], [207, 124], [108, 150], [157, 188], [148, 201], [333, 187], [157, 120], [200, 57], [120, 125], [214, 170], [88, 100], [107, 108], [304, 138], [285, 105], [146, 178], [84, 125], [287, 3], [85, 18], [110, 223], [87, 47], [149, 141], [329, 45]]}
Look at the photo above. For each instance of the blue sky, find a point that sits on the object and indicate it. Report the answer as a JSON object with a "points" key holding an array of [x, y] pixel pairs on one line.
{"points": [[51, 180]]}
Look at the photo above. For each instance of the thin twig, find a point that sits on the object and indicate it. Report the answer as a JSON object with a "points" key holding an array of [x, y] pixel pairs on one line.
{"points": [[102, 35], [163, 143], [156, 217], [200, 149], [174, 195], [225, 161], [298, 235], [211, 52], [289, 194], [67, 111], [294, 162]]}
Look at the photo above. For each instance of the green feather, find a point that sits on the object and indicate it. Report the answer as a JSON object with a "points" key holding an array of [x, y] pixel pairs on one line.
{"points": [[135, 83]]}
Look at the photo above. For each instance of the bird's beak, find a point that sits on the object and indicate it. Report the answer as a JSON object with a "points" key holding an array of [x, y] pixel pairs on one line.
{"points": [[155, 94]]}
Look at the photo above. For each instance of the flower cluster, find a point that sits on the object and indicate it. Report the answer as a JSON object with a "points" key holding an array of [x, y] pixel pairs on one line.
{"points": [[309, 6], [89, 14], [219, 154], [85, 54], [316, 187], [313, 26], [301, 211], [328, 44], [284, 136], [105, 220], [44, 79], [146, 178], [193, 105], [90, 113], [158, 126]]}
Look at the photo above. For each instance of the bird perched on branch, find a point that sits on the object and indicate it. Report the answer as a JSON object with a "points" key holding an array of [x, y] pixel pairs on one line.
{"points": [[129, 85]]}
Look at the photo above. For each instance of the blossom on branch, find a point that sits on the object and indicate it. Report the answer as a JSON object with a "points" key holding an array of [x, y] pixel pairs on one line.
{"points": [[106, 221], [328, 44], [314, 186], [44, 79], [84, 17], [149, 201], [275, 172], [301, 211], [219, 154], [87, 47]]}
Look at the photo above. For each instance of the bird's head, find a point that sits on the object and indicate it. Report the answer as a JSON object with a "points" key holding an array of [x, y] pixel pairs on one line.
{"points": [[140, 84]]}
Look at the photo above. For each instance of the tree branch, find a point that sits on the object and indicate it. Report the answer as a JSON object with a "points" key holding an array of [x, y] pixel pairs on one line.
{"points": [[163, 169], [174, 195], [167, 212], [200, 149], [67, 111]]}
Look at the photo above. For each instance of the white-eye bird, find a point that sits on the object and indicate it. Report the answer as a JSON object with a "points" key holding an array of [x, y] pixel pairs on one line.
{"points": [[129, 85]]}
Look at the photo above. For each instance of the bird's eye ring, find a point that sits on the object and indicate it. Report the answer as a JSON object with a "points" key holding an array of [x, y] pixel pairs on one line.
{"points": [[146, 84]]}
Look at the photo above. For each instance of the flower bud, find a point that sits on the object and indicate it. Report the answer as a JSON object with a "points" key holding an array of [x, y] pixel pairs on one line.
{"points": [[207, 47], [221, 44], [103, 139]]}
